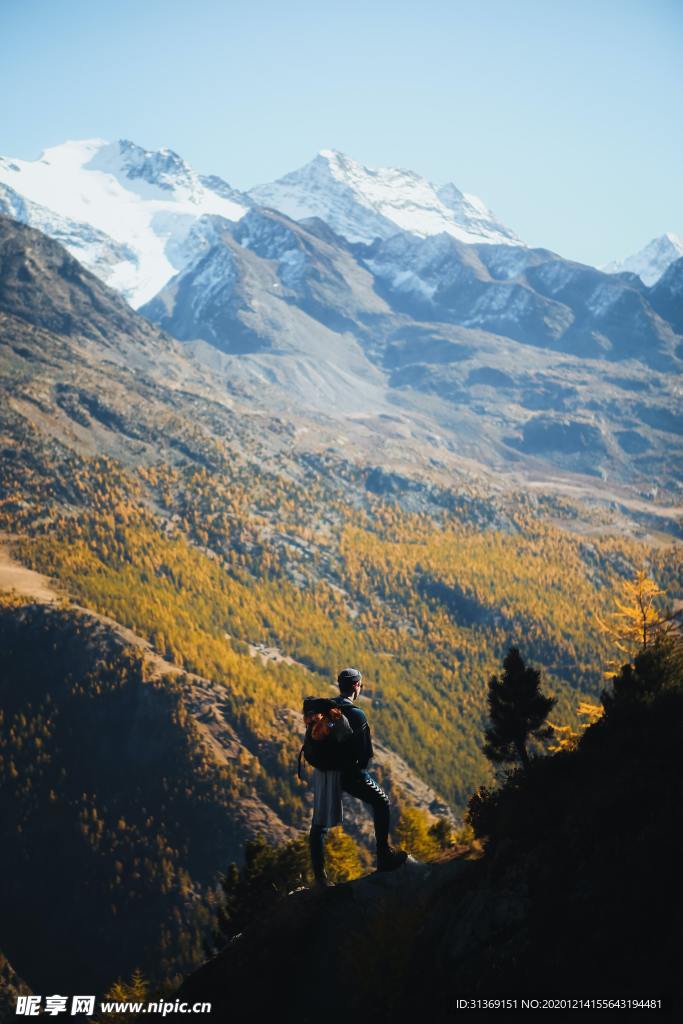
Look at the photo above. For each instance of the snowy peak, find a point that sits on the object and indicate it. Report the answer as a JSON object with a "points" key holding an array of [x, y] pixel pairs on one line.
{"points": [[363, 203], [162, 169], [652, 261], [133, 216]]}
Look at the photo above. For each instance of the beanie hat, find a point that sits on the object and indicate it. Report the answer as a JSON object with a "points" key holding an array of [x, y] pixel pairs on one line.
{"points": [[348, 678]]}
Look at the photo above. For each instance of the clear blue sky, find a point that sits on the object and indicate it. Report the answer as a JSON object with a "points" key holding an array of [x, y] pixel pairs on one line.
{"points": [[563, 115]]}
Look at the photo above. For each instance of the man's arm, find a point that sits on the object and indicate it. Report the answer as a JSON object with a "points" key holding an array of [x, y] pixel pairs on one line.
{"points": [[361, 740]]}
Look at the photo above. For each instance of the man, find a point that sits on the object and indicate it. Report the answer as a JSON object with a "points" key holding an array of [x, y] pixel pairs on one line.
{"points": [[353, 778]]}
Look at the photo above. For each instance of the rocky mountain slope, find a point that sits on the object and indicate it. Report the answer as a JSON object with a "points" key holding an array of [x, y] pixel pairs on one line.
{"points": [[514, 354], [666, 297]]}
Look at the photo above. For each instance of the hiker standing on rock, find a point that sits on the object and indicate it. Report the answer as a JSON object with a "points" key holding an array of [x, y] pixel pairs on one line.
{"points": [[339, 746]]}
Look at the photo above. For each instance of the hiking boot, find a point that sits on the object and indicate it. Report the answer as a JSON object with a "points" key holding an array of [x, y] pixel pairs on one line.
{"points": [[388, 859]]}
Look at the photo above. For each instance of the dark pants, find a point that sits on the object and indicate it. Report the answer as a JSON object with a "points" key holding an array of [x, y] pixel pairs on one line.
{"points": [[357, 783]]}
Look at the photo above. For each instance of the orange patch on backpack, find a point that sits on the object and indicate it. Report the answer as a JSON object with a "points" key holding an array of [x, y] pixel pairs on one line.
{"points": [[321, 724]]}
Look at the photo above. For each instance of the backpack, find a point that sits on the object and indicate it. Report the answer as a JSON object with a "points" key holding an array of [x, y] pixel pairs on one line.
{"points": [[327, 727]]}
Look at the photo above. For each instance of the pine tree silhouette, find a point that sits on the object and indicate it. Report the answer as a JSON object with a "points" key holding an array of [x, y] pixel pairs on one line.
{"points": [[517, 709]]}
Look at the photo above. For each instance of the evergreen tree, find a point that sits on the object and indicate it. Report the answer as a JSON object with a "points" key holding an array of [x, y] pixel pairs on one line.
{"points": [[654, 673], [518, 709]]}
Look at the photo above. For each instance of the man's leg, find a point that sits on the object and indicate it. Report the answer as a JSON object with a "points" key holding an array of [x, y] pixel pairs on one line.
{"points": [[316, 841], [361, 785]]}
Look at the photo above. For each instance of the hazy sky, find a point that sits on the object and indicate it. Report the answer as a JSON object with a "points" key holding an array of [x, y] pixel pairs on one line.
{"points": [[563, 115]]}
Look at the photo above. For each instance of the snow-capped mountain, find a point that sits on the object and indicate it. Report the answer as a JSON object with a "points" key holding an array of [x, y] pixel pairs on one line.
{"points": [[652, 261], [112, 261], [132, 216], [272, 284], [137, 217], [363, 203]]}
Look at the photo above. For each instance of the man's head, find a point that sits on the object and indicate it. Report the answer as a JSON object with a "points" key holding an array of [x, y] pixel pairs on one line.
{"points": [[350, 682]]}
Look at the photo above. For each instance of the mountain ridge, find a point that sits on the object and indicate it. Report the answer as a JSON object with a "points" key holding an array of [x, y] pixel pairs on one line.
{"points": [[140, 240], [132, 214], [362, 203], [344, 326]]}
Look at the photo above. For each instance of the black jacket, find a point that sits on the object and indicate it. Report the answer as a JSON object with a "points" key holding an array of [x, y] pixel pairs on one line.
{"points": [[360, 745]]}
